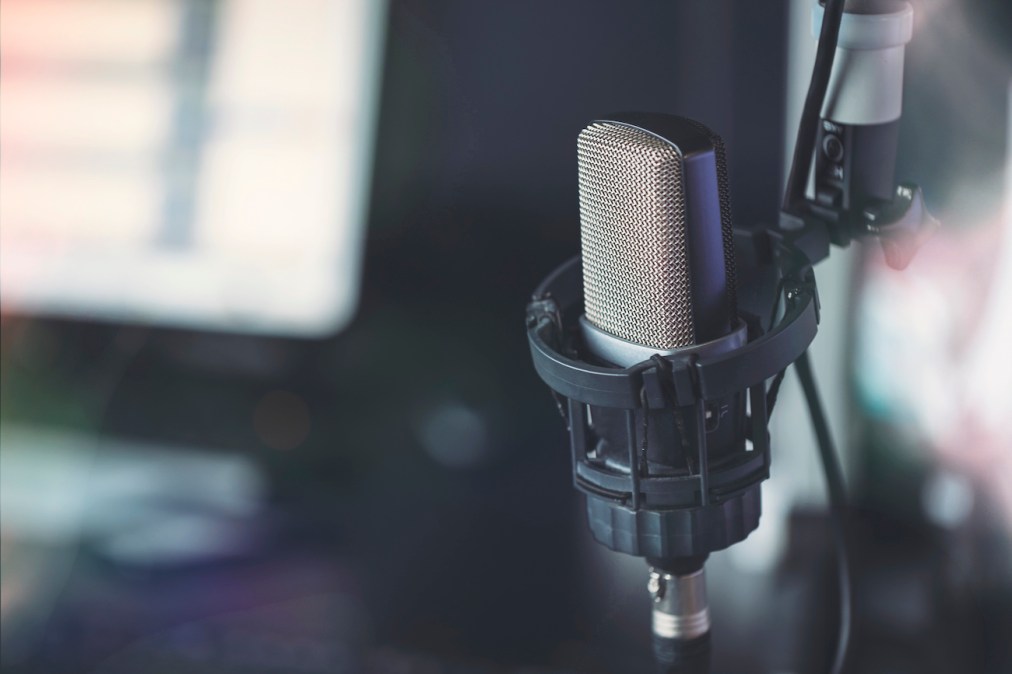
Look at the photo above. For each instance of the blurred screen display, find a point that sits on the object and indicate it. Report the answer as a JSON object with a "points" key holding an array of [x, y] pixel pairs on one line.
{"points": [[202, 163]]}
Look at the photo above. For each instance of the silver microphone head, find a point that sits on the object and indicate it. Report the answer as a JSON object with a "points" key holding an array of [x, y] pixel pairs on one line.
{"points": [[632, 216], [655, 233]]}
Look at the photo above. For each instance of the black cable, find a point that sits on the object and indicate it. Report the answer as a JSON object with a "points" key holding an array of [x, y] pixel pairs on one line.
{"points": [[771, 395], [837, 503], [776, 304], [804, 145]]}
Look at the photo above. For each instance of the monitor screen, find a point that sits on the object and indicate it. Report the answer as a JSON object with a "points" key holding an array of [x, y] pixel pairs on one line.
{"points": [[199, 163]]}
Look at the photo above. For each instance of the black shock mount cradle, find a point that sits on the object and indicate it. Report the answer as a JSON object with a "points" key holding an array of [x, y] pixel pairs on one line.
{"points": [[664, 515]]}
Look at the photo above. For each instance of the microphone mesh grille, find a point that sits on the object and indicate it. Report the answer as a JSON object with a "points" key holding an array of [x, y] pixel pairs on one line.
{"points": [[632, 231]]}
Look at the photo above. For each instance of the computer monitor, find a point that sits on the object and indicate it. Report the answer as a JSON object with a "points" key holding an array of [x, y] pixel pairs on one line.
{"points": [[198, 163]]}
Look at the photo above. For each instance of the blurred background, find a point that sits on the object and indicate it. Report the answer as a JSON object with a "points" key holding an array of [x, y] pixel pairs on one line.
{"points": [[267, 403]]}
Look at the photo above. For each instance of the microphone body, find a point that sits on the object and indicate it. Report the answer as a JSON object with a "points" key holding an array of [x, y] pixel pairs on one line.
{"points": [[658, 280]]}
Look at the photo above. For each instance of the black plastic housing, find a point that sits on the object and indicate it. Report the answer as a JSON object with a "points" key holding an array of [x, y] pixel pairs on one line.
{"points": [[855, 165], [632, 507]]}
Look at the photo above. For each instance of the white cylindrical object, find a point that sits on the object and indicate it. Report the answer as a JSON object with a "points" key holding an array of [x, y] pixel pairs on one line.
{"points": [[866, 85]]}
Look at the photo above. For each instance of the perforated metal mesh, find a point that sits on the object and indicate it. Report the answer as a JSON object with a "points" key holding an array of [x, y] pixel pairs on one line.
{"points": [[632, 217]]}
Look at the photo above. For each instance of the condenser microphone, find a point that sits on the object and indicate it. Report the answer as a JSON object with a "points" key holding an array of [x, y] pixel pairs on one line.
{"points": [[659, 375], [658, 280]]}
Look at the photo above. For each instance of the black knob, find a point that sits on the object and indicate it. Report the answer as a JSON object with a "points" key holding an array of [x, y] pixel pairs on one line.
{"points": [[832, 146]]}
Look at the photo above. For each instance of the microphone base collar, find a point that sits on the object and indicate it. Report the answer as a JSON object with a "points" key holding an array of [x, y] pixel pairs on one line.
{"points": [[678, 532]]}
